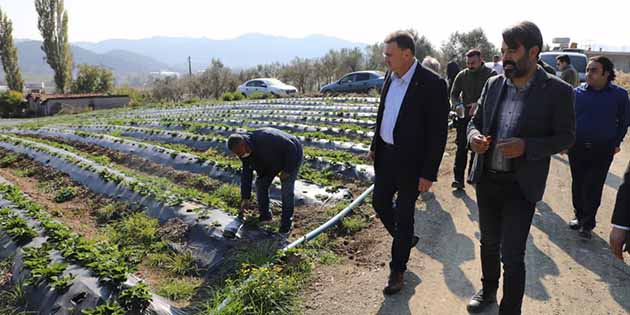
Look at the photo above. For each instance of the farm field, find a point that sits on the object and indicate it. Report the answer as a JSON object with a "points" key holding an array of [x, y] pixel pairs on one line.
{"points": [[124, 211]]}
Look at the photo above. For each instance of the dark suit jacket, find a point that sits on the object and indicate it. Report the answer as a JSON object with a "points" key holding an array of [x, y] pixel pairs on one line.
{"points": [[421, 127], [621, 215], [547, 124], [273, 151]]}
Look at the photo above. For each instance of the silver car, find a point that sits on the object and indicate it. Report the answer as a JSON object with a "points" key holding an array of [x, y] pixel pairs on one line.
{"points": [[267, 86]]}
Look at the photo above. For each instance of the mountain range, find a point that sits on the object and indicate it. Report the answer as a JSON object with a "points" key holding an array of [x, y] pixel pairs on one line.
{"points": [[129, 58]]}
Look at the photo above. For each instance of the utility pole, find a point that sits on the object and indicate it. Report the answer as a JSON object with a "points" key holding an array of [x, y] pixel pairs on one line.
{"points": [[189, 67]]}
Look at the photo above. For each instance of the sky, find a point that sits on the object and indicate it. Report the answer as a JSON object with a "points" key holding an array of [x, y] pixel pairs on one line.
{"points": [[356, 20]]}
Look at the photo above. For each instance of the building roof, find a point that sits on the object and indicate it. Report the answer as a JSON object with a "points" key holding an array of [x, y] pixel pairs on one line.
{"points": [[43, 97]]}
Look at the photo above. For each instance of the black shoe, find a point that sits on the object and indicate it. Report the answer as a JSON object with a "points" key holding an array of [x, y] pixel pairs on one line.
{"points": [[414, 241], [574, 224], [481, 300], [395, 283], [458, 184], [585, 233], [285, 229]]}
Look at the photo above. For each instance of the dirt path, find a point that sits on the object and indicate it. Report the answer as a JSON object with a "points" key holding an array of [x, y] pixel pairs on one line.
{"points": [[565, 275]]}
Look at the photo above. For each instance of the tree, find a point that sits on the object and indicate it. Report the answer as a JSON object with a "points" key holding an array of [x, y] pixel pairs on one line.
{"points": [[423, 46], [10, 102], [8, 55], [459, 43], [351, 59], [53, 25], [374, 59], [93, 79]]}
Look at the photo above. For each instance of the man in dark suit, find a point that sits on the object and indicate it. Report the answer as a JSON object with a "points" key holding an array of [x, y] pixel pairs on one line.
{"points": [[524, 117], [270, 152], [620, 234], [408, 144]]}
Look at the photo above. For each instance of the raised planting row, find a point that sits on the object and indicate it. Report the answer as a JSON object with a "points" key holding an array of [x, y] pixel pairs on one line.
{"points": [[63, 272], [207, 242], [203, 142], [322, 121], [226, 126], [257, 106], [217, 166]]}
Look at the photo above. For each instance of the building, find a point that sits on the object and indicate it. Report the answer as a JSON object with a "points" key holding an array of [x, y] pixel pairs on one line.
{"points": [[50, 104]]}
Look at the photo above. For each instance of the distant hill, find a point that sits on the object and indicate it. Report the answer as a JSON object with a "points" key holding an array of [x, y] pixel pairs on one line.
{"points": [[244, 51], [122, 63], [129, 59]]}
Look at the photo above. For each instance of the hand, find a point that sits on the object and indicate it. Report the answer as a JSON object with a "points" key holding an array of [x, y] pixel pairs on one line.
{"points": [[511, 147], [424, 185], [283, 176], [371, 155], [480, 144], [617, 150], [244, 205], [617, 239], [473, 108]]}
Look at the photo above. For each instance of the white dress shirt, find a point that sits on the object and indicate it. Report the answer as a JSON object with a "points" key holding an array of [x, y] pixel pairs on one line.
{"points": [[393, 102]]}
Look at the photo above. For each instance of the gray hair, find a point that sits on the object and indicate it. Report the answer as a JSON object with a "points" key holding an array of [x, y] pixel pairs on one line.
{"points": [[432, 63]]}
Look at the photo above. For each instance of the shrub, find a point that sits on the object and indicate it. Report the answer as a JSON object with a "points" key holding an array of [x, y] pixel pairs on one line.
{"points": [[65, 194], [135, 299], [623, 79], [227, 97], [135, 230], [10, 103]]}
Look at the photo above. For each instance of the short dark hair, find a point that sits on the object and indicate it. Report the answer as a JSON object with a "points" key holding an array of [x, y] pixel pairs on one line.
{"points": [[496, 57], [473, 52], [403, 39], [525, 33], [564, 58], [607, 65], [234, 140]]}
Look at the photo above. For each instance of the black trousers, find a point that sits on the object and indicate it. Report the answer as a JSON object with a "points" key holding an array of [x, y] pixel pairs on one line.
{"points": [[397, 218], [505, 217], [589, 168], [461, 155]]}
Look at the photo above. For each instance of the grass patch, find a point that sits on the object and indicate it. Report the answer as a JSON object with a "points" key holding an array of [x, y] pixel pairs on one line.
{"points": [[179, 289]]}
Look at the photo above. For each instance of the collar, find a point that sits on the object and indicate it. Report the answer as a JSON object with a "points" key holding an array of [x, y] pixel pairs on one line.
{"points": [[406, 78], [590, 88]]}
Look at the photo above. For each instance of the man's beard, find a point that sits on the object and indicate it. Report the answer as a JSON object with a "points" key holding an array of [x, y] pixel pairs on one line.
{"points": [[519, 68]]}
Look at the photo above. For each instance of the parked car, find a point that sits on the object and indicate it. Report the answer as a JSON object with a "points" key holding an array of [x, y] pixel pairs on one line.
{"points": [[267, 86], [578, 60], [356, 82]]}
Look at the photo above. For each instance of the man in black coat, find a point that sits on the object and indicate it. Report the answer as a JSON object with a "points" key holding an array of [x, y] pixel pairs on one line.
{"points": [[524, 117], [620, 234], [408, 144], [270, 152]]}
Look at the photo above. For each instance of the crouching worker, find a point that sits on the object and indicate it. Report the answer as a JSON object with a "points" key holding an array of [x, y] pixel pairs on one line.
{"points": [[270, 152]]}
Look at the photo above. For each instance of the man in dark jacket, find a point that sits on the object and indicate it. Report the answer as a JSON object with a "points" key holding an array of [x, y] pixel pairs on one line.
{"points": [[601, 110], [270, 152], [524, 117], [407, 148], [465, 92]]}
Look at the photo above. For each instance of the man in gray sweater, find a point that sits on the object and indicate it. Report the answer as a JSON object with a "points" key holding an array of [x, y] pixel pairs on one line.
{"points": [[270, 152]]}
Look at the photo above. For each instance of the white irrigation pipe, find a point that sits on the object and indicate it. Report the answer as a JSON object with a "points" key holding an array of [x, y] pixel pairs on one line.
{"points": [[313, 234]]}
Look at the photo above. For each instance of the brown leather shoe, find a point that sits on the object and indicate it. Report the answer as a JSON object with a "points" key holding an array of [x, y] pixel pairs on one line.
{"points": [[395, 283]]}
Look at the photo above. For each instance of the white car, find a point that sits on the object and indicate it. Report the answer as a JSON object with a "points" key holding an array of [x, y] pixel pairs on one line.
{"points": [[267, 86]]}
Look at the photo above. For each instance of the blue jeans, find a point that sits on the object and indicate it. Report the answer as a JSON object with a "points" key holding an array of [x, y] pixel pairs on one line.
{"points": [[288, 196]]}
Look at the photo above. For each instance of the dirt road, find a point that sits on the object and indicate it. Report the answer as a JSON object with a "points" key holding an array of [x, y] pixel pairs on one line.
{"points": [[565, 275]]}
